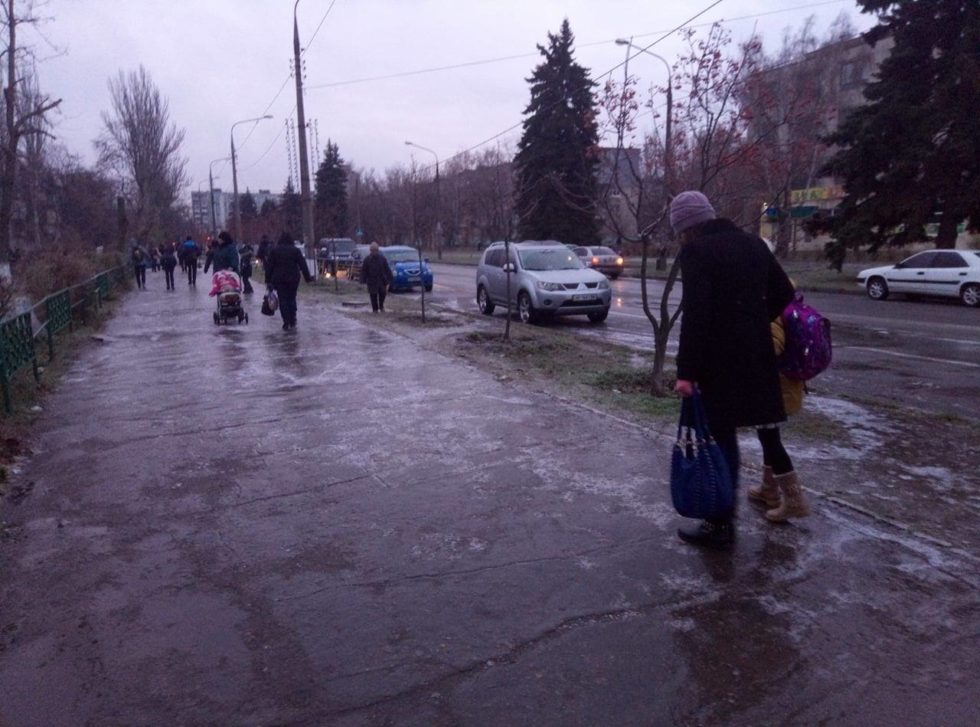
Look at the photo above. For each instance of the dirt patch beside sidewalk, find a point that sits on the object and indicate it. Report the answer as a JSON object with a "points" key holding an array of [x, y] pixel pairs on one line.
{"points": [[915, 470]]}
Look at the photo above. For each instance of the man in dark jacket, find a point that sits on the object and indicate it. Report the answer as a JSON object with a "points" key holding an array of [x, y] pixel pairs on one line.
{"points": [[265, 245], [245, 261], [168, 261], [283, 267], [376, 274], [733, 289]]}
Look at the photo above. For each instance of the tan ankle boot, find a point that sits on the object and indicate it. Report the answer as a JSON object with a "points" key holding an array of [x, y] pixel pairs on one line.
{"points": [[768, 492], [793, 504]]}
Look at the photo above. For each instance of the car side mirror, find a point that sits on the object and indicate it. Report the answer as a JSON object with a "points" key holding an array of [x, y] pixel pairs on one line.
{"points": [[510, 268], [426, 259], [899, 266]]}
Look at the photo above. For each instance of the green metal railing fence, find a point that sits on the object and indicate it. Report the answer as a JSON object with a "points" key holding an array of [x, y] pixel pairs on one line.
{"points": [[18, 337]]}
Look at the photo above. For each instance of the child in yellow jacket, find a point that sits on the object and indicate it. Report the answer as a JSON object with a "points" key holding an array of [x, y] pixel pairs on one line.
{"points": [[777, 472]]}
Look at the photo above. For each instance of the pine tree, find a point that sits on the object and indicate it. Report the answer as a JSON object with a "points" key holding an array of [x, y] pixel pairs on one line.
{"points": [[911, 155], [331, 194], [556, 159], [291, 210], [249, 209]]}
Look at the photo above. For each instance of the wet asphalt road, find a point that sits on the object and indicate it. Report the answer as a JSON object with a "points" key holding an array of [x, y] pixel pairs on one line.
{"points": [[924, 354], [337, 526]]}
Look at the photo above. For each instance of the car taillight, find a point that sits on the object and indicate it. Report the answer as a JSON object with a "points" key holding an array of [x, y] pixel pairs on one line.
{"points": [[595, 261]]}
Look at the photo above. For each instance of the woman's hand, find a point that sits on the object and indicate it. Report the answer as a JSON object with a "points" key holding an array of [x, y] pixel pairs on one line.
{"points": [[684, 388]]}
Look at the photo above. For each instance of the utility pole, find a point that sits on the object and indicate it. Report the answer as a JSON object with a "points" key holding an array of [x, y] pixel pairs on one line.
{"points": [[304, 167]]}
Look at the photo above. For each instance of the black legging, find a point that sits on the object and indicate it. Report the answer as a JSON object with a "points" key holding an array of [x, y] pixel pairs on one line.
{"points": [[773, 452], [191, 264], [377, 298], [140, 276], [168, 271]]}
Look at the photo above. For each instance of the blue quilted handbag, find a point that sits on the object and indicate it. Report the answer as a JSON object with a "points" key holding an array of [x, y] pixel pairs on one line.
{"points": [[700, 483]]}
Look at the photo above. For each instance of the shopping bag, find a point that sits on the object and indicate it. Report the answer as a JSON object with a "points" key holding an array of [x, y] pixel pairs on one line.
{"points": [[700, 483], [270, 303]]}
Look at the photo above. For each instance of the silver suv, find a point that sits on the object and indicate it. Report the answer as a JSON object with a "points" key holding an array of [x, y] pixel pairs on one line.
{"points": [[545, 279]]}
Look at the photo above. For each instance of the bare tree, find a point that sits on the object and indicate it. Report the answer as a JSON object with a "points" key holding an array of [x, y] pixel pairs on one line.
{"points": [[709, 144], [142, 146], [790, 96], [24, 113]]}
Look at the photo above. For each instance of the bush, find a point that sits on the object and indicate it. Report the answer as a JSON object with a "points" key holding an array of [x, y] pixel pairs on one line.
{"points": [[47, 271]]}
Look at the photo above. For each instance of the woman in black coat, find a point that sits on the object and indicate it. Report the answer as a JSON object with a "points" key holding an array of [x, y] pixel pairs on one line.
{"points": [[284, 265], [733, 287], [376, 274]]}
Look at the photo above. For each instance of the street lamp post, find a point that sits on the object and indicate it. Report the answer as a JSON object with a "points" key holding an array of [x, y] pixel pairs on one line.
{"points": [[306, 198], [234, 174], [670, 106], [214, 221], [438, 197]]}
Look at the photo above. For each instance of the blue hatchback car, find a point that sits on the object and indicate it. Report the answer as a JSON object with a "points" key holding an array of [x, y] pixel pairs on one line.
{"points": [[406, 272]]}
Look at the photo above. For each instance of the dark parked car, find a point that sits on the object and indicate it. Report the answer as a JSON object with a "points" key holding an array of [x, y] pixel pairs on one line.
{"points": [[334, 254]]}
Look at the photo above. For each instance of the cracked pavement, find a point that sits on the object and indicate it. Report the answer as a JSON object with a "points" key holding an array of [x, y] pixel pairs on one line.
{"points": [[339, 525]]}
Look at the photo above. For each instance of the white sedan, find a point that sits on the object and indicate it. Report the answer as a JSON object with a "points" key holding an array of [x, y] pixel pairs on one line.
{"points": [[949, 273]]}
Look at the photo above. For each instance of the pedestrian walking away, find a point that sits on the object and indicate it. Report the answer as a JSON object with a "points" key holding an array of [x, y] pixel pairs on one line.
{"points": [[140, 261], [223, 255], [265, 245], [191, 251], [733, 289], [283, 268], [168, 261], [245, 263], [376, 274]]}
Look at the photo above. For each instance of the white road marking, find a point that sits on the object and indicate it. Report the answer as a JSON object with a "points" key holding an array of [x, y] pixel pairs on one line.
{"points": [[911, 355]]}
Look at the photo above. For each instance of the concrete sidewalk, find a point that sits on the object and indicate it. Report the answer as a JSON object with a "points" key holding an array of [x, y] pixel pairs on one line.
{"points": [[335, 526]]}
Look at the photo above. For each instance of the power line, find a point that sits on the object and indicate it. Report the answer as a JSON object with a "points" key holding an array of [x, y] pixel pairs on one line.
{"points": [[313, 37], [518, 56], [286, 82], [618, 65]]}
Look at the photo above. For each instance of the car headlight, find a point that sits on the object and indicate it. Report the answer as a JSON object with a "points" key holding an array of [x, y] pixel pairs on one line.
{"points": [[545, 285], [603, 284]]}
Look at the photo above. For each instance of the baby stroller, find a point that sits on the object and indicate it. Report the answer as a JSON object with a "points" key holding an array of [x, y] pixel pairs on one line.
{"points": [[226, 286]]}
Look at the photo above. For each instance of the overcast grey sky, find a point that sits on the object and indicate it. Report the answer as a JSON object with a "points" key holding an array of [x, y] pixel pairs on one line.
{"points": [[220, 61]]}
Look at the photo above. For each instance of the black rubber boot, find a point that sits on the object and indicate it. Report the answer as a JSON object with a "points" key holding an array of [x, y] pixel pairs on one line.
{"points": [[715, 534]]}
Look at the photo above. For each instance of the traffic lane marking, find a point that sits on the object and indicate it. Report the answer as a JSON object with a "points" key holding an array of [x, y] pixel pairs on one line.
{"points": [[899, 354]]}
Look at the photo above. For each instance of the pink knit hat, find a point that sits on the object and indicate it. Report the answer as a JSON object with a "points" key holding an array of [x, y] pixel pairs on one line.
{"points": [[689, 209]]}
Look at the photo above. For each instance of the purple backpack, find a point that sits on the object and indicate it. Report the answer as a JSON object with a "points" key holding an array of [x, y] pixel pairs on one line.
{"points": [[808, 350]]}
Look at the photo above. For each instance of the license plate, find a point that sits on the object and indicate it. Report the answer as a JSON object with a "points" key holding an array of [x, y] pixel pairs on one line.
{"points": [[584, 296]]}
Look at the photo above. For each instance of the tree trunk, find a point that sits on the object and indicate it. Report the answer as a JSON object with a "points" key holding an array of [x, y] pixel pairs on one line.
{"points": [[661, 333], [946, 239], [10, 151]]}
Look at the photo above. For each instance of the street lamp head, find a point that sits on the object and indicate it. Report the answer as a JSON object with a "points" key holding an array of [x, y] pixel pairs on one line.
{"points": [[622, 41], [267, 116], [408, 143]]}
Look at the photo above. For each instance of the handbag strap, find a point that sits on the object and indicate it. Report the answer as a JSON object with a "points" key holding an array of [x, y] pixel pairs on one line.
{"points": [[700, 418]]}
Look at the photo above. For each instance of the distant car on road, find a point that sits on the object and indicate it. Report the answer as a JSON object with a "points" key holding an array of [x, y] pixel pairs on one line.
{"points": [[604, 259], [406, 272], [947, 273], [546, 280]]}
